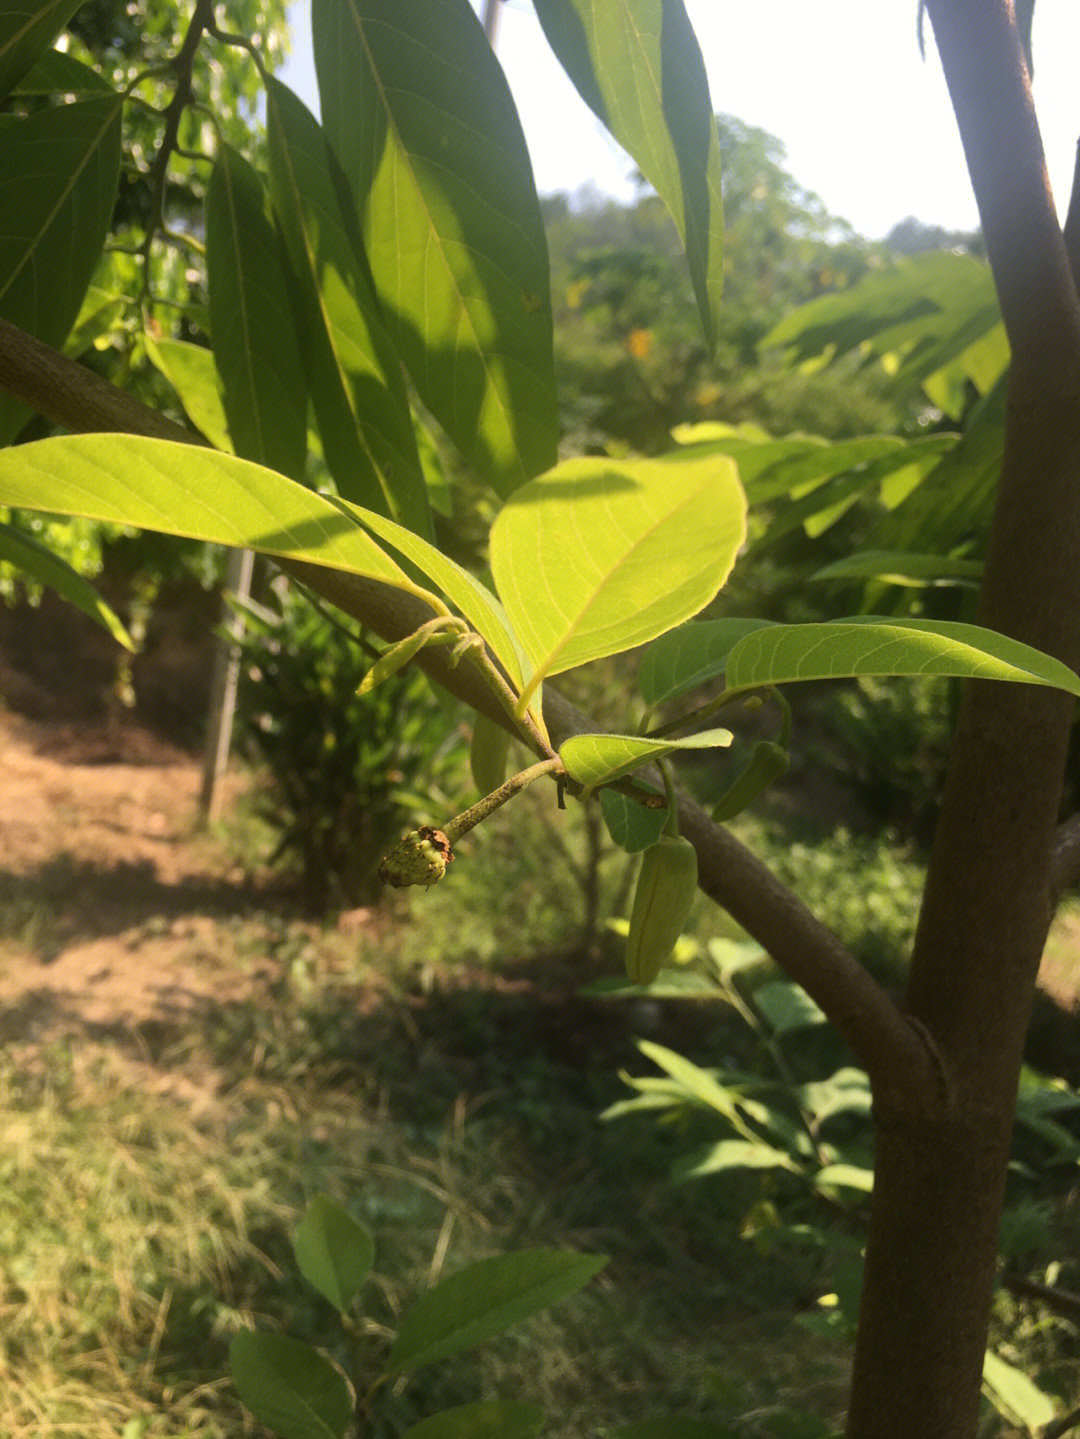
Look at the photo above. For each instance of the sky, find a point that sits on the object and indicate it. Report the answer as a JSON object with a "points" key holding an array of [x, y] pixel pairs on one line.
{"points": [[866, 123]]}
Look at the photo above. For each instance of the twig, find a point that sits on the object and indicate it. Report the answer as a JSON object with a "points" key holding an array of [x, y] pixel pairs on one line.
{"points": [[1060, 1300], [1057, 1427], [898, 1058]]}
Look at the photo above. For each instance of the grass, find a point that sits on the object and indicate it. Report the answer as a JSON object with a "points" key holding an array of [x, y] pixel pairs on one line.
{"points": [[436, 1071]]}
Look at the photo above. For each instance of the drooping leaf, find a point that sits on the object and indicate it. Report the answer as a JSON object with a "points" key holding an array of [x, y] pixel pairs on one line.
{"points": [[487, 1419], [290, 1387], [689, 656], [27, 30], [594, 759], [866, 645], [485, 1299], [730, 1154], [191, 371], [697, 1083], [637, 65], [357, 387], [58, 175], [36, 560], [431, 144], [196, 493], [600, 555], [334, 1253], [255, 344]]}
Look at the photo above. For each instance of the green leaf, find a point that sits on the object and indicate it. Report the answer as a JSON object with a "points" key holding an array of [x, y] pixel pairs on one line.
{"points": [[631, 825], [357, 386], [845, 1176], [58, 175], [474, 600], [487, 1419], [787, 1007], [421, 119], [637, 65], [39, 562], [672, 1426], [1013, 1394], [290, 1387], [689, 656], [196, 493], [594, 759], [488, 751], [670, 984], [27, 30], [698, 1083], [333, 1251], [768, 762], [601, 555], [730, 1154], [867, 645], [191, 371], [484, 1299], [58, 73], [898, 567], [255, 344]]}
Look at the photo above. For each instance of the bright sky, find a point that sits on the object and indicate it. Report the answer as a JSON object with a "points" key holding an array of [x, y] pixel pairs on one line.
{"points": [[865, 122]]}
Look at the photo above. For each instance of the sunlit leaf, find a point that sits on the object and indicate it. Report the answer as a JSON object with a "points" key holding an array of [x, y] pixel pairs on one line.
{"points": [[730, 1154], [845, 1176], [600, 555], [255, 344], [870, 646], [196, 493], [637, 65], [485, 1299], [191, 371], [594, 759], [290, 1387], [431, 144], [1014, 1394], [357, 386]]}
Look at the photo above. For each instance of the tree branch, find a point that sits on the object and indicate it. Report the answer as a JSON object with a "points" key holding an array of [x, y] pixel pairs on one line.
{"points": [[894, 1051]]}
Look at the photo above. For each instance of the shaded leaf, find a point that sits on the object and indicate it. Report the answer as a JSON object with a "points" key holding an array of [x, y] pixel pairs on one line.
{"points": [[58, 176], [594, 759], [36, 560], [191, 371], [334, 1253], [730, 1154], [27, 30], [600, 555], [638, 67], [689, 656], [787, 1007], [431, 144], [356, 382], [672, 1426], [898, 567], [290, 1387], [484, 1299], [255, 344], [870, 646], [631, 825], [58, 73], [487, 1419]]}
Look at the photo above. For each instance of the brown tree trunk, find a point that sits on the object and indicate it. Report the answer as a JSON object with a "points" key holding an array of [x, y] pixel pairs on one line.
{"points": [[940, 1166]]}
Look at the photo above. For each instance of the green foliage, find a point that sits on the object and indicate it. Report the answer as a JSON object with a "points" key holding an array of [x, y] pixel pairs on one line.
{"points": [[348, 771]]}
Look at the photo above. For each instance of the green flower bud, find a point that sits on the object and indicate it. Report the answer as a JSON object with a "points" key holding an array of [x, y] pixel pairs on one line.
{"points": [[420, 857]]}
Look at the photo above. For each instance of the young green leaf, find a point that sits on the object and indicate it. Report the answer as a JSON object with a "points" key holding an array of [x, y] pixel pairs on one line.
{"points": [[430, 141], [191, 371], [484, 1299], [26, 32], [638, 66], [357, 387], [193, 492], [871, 646], [594, 759], [58, 176], [486, 1419], [333, 1251], [631, 825], [599, 555], [290, 1387], [37, 561], [255, 344]]}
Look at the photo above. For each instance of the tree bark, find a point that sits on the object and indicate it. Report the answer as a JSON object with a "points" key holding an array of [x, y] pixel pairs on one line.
{"points": [[940, 1167]]}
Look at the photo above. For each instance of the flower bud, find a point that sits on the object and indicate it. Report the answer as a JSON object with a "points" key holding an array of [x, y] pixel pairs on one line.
{"points": [[419, 857]]}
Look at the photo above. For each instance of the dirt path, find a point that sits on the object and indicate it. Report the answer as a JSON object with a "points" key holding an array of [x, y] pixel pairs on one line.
{"points": [[114, 911]]}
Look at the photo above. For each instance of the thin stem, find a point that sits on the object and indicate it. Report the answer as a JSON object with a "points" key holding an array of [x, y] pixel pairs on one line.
{"points": [[478, 812]]}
